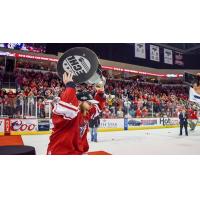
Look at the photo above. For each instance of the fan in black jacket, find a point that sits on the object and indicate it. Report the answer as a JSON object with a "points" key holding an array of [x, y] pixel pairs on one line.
{"points": [[183, 116]]}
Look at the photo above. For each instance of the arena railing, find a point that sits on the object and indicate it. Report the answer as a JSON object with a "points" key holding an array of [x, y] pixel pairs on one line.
{"points": [[40, 107]]}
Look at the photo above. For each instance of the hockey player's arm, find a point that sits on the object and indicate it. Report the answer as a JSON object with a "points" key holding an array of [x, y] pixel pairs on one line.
{"points": [[96, 109], [94, 112], [67, 105], [101, 98]]}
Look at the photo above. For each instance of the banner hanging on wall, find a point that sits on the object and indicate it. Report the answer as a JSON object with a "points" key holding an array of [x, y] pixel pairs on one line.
{"points": [[154, 53], [168, 56], [140, 50]]}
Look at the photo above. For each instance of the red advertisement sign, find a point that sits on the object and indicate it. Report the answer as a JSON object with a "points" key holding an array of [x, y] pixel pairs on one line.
{"points": [[7, 127]]}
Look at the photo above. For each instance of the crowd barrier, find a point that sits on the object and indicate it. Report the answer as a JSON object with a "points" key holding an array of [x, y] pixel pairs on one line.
{"points": [[44, 126], [137, 123]]}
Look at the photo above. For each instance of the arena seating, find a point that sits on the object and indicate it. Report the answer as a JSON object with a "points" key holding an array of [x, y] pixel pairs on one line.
{"points": [[135, 98]]}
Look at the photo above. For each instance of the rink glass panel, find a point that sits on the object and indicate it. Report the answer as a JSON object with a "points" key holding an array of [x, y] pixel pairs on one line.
{"points": [[38, 107], [25, 107]]}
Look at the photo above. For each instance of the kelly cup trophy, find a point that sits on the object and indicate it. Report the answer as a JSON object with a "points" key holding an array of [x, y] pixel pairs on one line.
{"points": [[83, 63]]}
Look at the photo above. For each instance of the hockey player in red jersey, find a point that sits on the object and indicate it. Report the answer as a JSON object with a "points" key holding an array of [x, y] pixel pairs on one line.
{"points": [[71, 115], [192, 118]]}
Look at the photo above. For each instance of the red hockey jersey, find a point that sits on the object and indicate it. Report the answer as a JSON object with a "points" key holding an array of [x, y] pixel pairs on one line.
{"points": [[192, 114], [69, 136]]}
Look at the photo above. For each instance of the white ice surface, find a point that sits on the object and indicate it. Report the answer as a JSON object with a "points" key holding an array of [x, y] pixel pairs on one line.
{"points": [[153, 142]]}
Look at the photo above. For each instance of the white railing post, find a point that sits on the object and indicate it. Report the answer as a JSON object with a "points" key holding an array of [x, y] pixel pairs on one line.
{"points": [[36, 108], [28, 106], [22, 107], [49, 110], [32, 104], [2, 109]]}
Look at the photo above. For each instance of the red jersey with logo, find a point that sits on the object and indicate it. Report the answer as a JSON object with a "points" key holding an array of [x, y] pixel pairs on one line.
{"points": [[11, 94], [192, 114], [69, 136], [138, 113]]}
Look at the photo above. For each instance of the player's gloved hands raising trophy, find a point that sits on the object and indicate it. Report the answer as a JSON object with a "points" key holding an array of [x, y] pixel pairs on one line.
{"points": [[83, 63]]}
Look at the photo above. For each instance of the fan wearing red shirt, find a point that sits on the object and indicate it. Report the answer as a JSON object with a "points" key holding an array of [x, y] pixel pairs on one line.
{"points": [[71, 115], [11, 94], [144, 112], [106, 113], [135, 102], [138, 113], [26, 91]]}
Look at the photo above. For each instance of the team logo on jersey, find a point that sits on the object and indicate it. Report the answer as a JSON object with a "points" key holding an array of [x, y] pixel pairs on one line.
{"points": [[83, 127]]}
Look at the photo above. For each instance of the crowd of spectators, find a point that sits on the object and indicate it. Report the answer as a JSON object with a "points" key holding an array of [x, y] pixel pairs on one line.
{"points": [[134, 98], [34, 92], [141, 99]]}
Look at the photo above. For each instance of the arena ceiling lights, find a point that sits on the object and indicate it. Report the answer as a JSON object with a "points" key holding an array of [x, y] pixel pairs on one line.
{"points": [[43, 58], [142, 73]]}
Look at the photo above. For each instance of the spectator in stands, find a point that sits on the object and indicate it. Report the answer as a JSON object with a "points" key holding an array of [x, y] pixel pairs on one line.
{"points": [[132, 112], [40, 108], [133, 97], [31, 103], [19, 104], [106, 113], [110, 102], [144, 112], [7, 105], [138, 113], [127, 105], [120, 113]]}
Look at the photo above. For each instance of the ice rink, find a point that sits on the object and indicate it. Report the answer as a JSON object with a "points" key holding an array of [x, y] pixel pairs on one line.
{"points": [[136, 142]]}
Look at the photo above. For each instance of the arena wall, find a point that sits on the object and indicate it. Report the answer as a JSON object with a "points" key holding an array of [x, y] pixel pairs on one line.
{"points": [[44, 126]]}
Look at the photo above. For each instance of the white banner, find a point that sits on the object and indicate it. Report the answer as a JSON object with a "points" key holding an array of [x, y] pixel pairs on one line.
{"points": [[194, 96], [154, 53], [168, 121], [140, 50], [138, 122], [111, 123], [168, 56], [135, 122]]}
